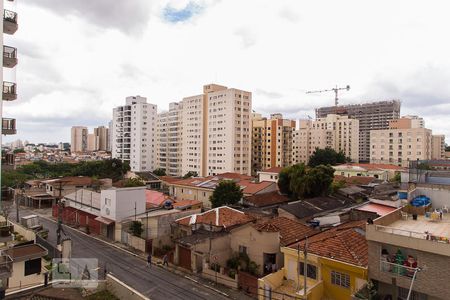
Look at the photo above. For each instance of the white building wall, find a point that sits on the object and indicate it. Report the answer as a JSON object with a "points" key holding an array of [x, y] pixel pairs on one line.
{"points": [[118, 204]]}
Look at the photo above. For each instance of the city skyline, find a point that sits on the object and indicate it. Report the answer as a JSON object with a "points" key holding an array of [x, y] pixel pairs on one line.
{"points": [[161, 54]]}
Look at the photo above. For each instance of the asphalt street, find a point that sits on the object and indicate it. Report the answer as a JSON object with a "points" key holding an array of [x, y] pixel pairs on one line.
{"points": [[154, 282]]}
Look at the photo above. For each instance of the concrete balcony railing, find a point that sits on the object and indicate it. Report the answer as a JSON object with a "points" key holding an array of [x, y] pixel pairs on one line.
{"points": [[6, 264], [9, 91], [396, 269], [8, 126], [10, 24], [9, 57]]}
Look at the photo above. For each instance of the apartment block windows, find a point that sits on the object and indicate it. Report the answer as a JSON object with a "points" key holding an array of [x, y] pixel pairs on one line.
{"points": [[340, 279]]}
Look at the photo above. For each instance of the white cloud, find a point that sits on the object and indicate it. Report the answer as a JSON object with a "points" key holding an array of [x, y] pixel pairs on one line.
{"points": [[85, 67]]}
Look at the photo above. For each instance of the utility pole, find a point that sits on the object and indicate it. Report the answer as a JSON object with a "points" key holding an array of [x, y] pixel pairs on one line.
{"points": [[412, 282], [305, 268], [60, 212], [135, 210]]}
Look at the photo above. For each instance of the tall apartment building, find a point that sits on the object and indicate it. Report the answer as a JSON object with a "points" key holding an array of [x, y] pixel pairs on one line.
{"points": [[216, 131], [334, 131], [92, 142], [371, 116], [9, 61], [79, 139], [402, 142], [272, 142], [438, 146], [102, 136], [170, 140], [134, 133]]}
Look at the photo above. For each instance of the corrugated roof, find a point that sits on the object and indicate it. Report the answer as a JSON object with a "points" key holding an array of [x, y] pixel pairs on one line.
{"points": [[380, 209]]}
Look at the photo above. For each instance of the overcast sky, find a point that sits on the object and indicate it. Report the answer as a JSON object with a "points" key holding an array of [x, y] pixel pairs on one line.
{"points": [[78, 59]]}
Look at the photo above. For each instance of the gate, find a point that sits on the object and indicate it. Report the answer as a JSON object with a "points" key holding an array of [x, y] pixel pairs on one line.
{"points": [[184, 258], [52, 251]]}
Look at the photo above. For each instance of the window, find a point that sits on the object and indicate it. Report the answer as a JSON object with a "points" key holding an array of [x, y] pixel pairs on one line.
{"points": [[33, 266], [242, 249], [340, 279], [311, 270]]}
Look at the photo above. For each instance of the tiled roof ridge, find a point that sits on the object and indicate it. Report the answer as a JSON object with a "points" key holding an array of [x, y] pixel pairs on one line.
{"points": [[348, 247]]}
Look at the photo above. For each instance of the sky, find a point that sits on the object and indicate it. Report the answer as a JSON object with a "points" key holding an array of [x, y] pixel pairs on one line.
{"points": [[78, 59]]}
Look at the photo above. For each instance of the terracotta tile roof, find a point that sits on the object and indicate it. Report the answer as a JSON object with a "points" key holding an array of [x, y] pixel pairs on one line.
{"points": [[72, 180], [170, 179], [186, 203], [210, 182], [273, 170], [155, 198], [346, 243], [290, 230], [380, 209], [358, 180], [223, 216], [266, 199], [26, 252]]}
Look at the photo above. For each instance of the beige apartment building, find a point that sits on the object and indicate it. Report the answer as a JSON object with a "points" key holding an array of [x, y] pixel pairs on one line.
{"points": [[79, 139], [272, 142], [102, 135], [438, 146], [334, 131], [169, 140], [92, 142], [402, 142], [216, 131]]}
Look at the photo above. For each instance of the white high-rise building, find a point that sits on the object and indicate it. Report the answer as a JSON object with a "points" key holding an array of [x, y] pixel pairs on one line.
{"points": [[169, 140], [134, 133]]}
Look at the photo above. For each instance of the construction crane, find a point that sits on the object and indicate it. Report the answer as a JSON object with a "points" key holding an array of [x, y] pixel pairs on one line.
{"points": [[335, 90]]}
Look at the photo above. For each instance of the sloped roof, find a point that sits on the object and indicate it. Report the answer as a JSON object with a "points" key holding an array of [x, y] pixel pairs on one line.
{"points": [[72, 180], [359, 180], [380, 209], [273, 170], [290, 230], [266, 199], [223, 216], [155, 198], [310, 207], [372, 167], [346, 243]]}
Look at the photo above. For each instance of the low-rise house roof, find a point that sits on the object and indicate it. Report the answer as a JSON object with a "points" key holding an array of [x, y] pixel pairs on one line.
{"points": [[276, 170], [290, 230], [183, 204], [223, 216], [26, 252], [155, 198], [315, 206], [71, 180], [346, 243], [369, 167], [358, 180], [379, 209], [266, 199]]}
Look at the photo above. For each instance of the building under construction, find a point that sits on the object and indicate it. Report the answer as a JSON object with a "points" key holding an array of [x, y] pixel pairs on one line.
{"points": [[371, 116]]}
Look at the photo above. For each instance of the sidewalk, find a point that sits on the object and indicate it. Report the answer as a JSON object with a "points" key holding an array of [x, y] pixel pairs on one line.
{"points": [[225, 291]]}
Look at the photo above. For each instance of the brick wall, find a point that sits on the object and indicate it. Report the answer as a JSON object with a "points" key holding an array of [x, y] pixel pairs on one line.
{"points": [[433, 280]]}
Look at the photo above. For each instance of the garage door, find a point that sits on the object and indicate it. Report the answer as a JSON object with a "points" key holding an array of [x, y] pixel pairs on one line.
{"points": [[184, 257]]}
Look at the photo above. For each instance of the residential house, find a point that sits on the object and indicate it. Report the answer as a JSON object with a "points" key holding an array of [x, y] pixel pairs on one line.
{"points": [[201, 188], [266, 200], [336, 266], [383, 172], [270, 174], [205, 237], [67, 185], [262, 241]]}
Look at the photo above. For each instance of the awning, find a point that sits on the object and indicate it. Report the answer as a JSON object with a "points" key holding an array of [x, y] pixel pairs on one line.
{"points": [[104, 220]]}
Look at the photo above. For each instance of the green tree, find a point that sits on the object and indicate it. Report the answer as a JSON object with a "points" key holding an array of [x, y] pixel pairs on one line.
{"points": [[226, 192], [136, 228], [14, 178], [327, 156], [159, 172], [190, 174], [133, 182], [284, 181], [19, 150]]}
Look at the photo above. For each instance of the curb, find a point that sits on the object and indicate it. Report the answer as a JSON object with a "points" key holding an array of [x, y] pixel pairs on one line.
{"points": [[207, 286]]}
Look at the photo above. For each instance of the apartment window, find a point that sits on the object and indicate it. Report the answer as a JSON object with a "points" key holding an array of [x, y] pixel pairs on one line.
{"points": [[311, 270], [242, 249], [340, 279]]}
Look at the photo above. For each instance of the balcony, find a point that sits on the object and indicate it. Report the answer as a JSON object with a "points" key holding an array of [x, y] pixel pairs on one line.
{"points": [[5, 232], [6, 264], [9, 57], [10, 25], [9, 91], [8, 126]]}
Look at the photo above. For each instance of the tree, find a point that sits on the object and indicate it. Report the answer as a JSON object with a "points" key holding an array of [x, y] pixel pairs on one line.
{"points": [[301, 181], [19, 150], [190, 174], [226, 192], [136, 228], [159, 172], [327, 156], [133, 182], [14, 178]]}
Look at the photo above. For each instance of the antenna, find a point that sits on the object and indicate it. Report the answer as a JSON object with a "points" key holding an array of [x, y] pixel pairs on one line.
{"points": [[335, 90]]}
